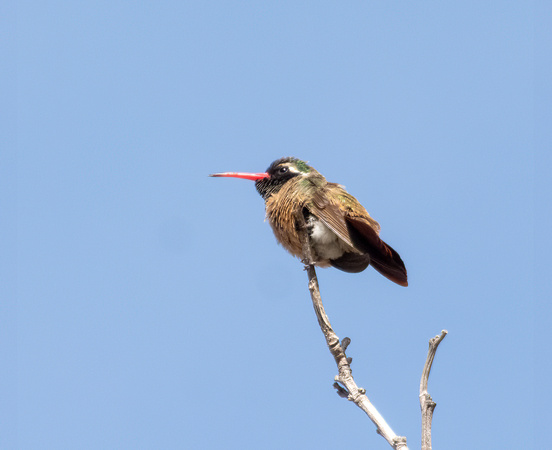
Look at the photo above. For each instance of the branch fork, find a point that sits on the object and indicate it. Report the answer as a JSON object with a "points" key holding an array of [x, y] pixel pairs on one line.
{"points": [[344, 382]]}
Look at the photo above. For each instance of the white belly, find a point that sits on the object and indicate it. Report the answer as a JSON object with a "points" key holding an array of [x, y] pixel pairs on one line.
{"points": [[324, 241]]}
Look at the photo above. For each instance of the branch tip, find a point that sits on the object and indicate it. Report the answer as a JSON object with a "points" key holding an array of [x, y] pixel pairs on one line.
{"points": [[427, 405]]}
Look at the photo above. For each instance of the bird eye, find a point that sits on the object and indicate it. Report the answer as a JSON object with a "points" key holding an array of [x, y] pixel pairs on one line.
{"points": [[282, 170]]}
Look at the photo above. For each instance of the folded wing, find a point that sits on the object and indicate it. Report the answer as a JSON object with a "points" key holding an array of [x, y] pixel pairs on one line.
{"points": [[348, 219]]}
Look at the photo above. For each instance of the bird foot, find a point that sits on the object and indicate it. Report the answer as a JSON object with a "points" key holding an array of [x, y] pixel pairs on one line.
{"points": [[307, 262]]}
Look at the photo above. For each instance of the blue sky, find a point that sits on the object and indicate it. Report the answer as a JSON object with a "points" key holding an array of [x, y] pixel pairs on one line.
{"points": [[149, 306]]}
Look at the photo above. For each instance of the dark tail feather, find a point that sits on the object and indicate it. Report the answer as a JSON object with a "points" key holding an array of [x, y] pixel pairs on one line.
{"points": [[382, 257], [393, 269]]}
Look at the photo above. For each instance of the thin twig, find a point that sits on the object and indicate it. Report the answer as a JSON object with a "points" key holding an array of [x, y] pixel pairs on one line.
{"points": [[346, 384], [427, 405]]}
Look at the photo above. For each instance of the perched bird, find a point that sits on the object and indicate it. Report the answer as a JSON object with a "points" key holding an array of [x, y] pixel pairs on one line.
{"points": [[341, 232]]}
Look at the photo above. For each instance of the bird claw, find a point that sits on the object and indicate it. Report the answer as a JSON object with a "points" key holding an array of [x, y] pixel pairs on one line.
{"points": [[307, 262]]}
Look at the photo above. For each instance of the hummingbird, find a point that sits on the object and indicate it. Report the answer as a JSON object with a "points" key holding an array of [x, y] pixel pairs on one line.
{"points": [[341, 232]]}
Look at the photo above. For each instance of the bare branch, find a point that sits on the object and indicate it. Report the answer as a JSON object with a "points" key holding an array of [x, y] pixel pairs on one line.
{"points": [[427, 405], [345, 384]]}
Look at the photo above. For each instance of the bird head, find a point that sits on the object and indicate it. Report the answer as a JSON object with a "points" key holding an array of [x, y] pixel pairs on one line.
{"points": [[278, 173]]}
